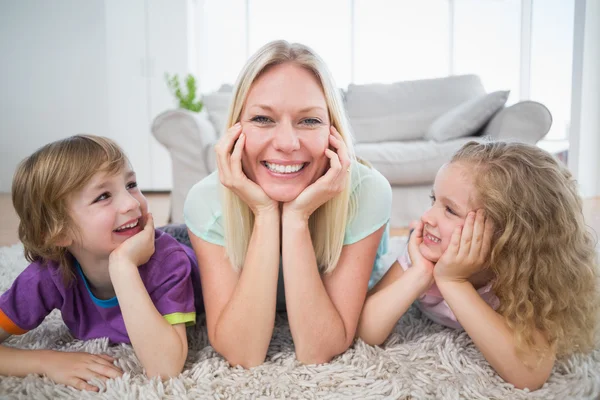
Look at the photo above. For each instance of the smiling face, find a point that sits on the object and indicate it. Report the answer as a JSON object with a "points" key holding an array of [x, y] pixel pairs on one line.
{"points": [[453, 196], [286, 123], [106, 212]]}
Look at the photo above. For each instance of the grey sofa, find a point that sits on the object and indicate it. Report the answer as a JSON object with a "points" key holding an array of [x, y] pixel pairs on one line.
{"points": [[407, 130]]}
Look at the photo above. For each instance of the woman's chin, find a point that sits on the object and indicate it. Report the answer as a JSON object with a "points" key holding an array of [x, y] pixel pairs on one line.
{"points": [[281, 195]]}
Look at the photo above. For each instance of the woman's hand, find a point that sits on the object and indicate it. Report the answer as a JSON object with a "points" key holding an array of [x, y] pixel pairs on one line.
{"points": [[420, 263], [76, 369], [468, 250], [326, 187], [231, 175]]}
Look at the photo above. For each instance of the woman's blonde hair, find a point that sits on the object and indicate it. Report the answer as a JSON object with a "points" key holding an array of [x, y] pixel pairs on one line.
{"points": [[42, 186], [327, 224], [543, 255]]}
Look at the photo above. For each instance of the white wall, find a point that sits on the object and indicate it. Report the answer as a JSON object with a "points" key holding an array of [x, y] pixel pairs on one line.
{"points": [[52, 74], [93, 66], [584, 157]]}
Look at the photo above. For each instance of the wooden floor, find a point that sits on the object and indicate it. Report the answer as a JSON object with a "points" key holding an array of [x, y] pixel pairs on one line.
{"points": [[159, 206]]}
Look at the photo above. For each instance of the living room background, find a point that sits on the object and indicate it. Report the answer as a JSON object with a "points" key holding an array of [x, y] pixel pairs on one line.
{"points": [[524, 46], [98, 66]]}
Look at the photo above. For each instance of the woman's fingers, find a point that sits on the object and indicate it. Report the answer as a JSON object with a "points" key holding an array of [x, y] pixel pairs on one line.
{"points": [[337, 141], [236, 158], [224, 149]]}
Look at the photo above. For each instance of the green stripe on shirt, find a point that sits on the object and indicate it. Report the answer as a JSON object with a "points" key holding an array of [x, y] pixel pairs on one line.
{"points": [[181, 318]]}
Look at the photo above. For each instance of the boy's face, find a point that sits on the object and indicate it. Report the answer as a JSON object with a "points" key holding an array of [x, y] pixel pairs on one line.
{"points": [[453, 196], [107, 211]]}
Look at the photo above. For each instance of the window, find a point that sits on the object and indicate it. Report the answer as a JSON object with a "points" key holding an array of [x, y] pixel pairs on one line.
{"points": [[551, 61], [400, 40], [487, 40], [322, 25], [222, 45]]}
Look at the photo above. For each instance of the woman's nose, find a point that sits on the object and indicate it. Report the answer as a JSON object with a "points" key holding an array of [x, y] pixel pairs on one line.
{"points": [[286, 138]]}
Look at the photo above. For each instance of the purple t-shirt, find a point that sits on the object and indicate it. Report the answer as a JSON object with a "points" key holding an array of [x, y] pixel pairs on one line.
{"points": [[171, 277]]}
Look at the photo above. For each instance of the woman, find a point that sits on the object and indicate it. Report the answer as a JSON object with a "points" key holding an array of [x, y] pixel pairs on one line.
{"points": [[291, 220]]}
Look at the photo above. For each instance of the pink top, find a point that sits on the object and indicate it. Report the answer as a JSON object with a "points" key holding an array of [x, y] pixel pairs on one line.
{"points": [[432, 303]]}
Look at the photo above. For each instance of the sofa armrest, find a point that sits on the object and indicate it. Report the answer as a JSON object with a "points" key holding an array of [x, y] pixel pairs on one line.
{"points": [[190, 138], [527, 122]]}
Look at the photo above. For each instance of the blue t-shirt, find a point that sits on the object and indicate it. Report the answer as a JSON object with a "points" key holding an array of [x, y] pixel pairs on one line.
{"points": [[171, 277], [204, 218]]}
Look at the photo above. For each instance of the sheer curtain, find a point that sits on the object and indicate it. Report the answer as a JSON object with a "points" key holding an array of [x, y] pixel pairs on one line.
{"points": [[365, 41]]}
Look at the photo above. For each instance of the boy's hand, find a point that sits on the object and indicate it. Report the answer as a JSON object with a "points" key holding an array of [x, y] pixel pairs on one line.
{"points": [[76, 369], [468, 250], [137, 249]]}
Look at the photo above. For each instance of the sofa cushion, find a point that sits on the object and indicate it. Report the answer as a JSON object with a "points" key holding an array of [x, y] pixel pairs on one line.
{"points": [[527, 121], [467, 118], [404, 110], [410, 162]]}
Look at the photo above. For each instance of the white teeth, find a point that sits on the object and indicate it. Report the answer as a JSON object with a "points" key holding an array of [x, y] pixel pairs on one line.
{"points": [[284, 169], [128, 226], [433, 238]]}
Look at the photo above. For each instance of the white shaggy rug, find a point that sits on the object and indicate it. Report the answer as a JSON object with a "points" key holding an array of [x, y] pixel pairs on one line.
{"points": [[420, 360]]}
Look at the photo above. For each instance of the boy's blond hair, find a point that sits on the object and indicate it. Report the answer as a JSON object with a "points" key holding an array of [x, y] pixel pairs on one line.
{"points": [[43, 184]]}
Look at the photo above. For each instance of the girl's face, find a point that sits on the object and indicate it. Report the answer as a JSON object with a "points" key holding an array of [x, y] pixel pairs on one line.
{"points": [[286, 122], [106, 212], [452, 197]]}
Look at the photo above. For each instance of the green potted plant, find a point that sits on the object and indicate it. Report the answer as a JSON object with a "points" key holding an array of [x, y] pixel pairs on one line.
{"points": [[185, 97]]}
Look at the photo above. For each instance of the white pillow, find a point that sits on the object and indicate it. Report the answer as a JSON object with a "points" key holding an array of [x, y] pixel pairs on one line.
{"points": [[467, 118]]}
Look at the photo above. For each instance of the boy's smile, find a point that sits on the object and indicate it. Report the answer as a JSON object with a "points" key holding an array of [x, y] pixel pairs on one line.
{"points": [[106, 212]]}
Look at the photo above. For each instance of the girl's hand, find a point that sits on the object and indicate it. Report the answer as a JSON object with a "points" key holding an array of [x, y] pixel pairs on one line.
{"points": [[137, 249], [76, 369], [326, 187], [468, 250], [423, 265], [231, 175]]}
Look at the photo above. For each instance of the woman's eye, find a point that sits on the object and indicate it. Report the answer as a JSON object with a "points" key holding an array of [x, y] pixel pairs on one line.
{"points": [[261, 119], [311, 121], [131, 185], [103, 196]]}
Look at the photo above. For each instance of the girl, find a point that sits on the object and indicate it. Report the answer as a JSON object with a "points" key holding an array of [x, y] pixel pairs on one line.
{"points": [[503, 252], [96, 257]]}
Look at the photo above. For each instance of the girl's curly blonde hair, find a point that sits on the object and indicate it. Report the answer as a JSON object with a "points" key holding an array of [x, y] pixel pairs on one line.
{"points": [[543, 256]]}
